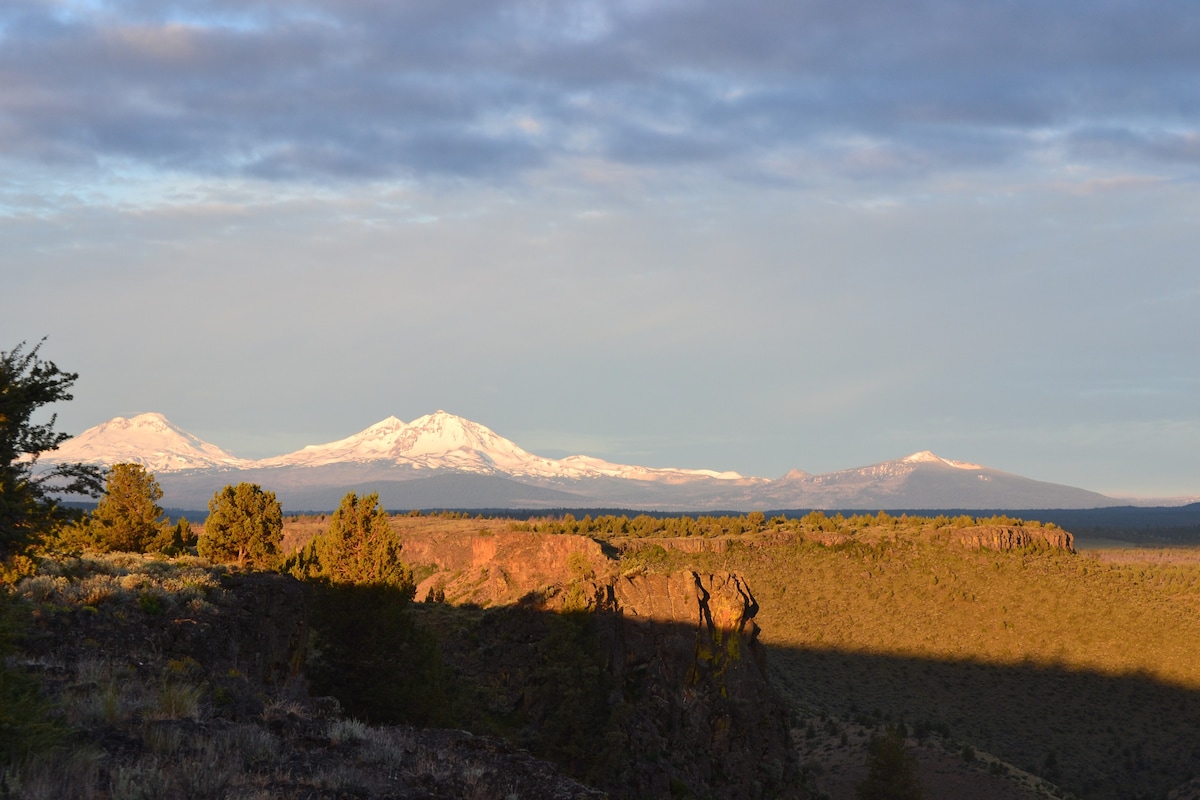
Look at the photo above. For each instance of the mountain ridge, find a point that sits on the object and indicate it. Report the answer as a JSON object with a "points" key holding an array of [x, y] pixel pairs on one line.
{"points": [[398, 458]]}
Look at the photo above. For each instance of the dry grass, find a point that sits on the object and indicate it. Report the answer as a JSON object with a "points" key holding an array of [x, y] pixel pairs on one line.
{"points": [[1084, 668], [1077, 611], [153, 583]]}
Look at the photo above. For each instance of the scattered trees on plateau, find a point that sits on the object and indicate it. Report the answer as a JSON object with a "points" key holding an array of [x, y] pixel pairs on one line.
{"points": [[27, 510], [244, 525]]}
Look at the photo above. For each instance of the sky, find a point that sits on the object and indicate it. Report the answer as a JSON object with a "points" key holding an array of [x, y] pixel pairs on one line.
{"points": [[754, 236]]}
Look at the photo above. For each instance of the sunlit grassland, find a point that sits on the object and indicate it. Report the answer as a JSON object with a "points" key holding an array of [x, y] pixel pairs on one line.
{"points": [[299, 530], [926, 598], [1081, 668]]}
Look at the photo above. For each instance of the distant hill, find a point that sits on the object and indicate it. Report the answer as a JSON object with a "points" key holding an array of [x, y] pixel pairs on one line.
{"points": [[444, 461]]}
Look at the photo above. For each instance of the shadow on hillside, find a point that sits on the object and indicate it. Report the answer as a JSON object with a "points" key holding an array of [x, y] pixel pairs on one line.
{"points": [[1097, 736], [589, 691]]}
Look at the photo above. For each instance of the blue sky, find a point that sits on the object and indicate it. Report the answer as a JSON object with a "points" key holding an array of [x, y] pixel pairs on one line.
{"points": [[755, 236]]}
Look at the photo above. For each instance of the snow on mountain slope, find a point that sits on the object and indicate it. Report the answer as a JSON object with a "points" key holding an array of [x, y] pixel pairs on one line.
{"points": [[146, 439], [393, 452], [445, 441], [434, 441], [438, 441], [924, 480], [587, 466], [926, 457], [897, 468], [883, 471]]}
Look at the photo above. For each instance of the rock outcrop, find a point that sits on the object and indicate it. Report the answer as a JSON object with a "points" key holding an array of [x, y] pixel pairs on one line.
{"points": [[992, 537], [678, 701], [1006, 537], [499, 568], [685, 651], [659, 690]]}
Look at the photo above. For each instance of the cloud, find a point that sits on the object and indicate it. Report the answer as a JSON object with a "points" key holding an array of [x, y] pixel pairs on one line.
{"points": [[326, 90]]}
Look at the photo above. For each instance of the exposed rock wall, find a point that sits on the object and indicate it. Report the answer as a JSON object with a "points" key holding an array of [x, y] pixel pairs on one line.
{"points": [[682, 544], [1003, 537], [684, 706], [501, 567], [993, 537], [685, 652]]}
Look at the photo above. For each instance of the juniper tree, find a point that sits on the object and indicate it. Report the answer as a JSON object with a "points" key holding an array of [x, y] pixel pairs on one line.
{"points": [[175, 539], [27, 508], [891, 770], [359, 547], [244, 525], [128, 517]]}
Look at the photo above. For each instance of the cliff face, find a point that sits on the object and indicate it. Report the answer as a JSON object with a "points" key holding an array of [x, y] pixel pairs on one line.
{"points": [[685, 652], [659, 689], [1003, 537], [992, 537], [500, 568]]}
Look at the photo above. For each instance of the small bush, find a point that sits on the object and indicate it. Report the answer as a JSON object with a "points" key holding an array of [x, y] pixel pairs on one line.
{"points": [[347, 730], [178, 701], [891, 770], [150, 603]]}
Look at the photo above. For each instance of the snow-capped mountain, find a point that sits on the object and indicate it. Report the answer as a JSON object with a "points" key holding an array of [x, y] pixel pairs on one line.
{"points": [[442, 460], [925, 480], [146, 439], [438, 441], [442, 441], [434, 441]]}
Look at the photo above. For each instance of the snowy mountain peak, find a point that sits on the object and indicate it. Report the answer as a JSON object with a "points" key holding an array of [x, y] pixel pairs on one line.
{"points": [[794, 475], [443, 423], [148, 439], [434, 441], [926, 457], [384, 429], [441, 432]]}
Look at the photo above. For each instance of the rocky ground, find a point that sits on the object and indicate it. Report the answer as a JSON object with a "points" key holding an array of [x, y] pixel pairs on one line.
{"points": [[833, 754], [179, 680]]}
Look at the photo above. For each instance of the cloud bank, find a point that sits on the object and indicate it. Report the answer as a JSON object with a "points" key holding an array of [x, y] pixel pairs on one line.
{"points": [[486, 90]]}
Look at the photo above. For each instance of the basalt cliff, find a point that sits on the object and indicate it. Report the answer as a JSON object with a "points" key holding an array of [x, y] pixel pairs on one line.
{"points": [[674, 691]]}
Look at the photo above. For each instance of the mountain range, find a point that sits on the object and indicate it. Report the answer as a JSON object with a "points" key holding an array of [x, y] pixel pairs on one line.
{"points": [[444, 461]]}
